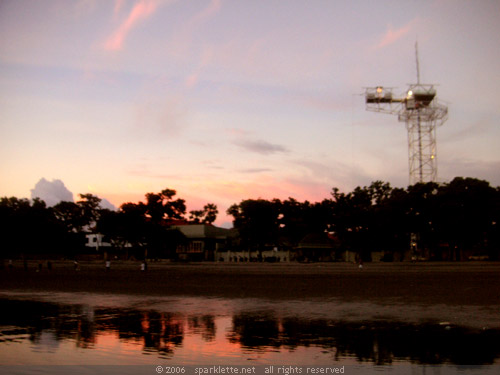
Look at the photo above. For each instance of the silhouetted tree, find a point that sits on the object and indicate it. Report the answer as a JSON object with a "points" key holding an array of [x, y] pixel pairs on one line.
{"points": [[196, 216], [146, 225], [70, 215], [211, 212], [29, 228], [292, 220], [206, 216], [132, 225], [78, 218], [394, 223], [257, 223], [90, 209], [112, 225], [352, 219], [493, 229], [162, 206], [298, 219], [466, 214]]}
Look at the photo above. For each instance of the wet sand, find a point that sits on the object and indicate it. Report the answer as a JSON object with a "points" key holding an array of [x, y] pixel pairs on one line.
{"points": [[457, 284]]}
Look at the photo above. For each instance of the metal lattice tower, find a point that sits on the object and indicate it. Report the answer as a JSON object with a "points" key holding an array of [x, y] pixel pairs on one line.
{"points": [[422, 113]]}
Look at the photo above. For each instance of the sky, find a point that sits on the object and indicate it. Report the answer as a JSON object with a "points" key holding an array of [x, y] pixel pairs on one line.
{"points": [[227, 100]]}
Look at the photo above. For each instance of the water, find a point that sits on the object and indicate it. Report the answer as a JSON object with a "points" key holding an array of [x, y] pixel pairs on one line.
{"points": [[92, 329]]}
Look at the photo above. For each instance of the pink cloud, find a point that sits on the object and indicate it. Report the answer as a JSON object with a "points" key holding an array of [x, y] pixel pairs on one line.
{"points": [[192, 80], [206, 13], [206, 57], [141, 10], [118, 6], [393, 35], [182, 42]]}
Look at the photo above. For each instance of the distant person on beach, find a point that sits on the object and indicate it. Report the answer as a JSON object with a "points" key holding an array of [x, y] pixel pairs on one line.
{"points": [[144, 266], [75, 265], [108, 265]]}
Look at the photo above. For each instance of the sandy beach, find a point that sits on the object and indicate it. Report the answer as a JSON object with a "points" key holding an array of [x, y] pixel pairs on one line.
{"points": [[467, 284]]}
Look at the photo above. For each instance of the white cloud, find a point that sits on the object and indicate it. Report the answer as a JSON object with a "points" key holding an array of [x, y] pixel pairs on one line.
{"points": [[107, 204], [52, 192]]}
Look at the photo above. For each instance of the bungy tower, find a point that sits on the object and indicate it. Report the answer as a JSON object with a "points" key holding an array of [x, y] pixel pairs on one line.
{"points": [[422, 113]]}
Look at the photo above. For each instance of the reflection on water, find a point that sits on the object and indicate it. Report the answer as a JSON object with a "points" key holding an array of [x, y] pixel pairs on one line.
{"points": [[377, 342], [79, 332]]}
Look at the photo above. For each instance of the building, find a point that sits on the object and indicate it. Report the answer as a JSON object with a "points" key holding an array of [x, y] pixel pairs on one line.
{"points": [[203, 241], [97, 241], [317, 247]]}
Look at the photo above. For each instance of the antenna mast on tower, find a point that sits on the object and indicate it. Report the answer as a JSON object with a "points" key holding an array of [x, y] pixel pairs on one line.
{"points": [[418, 66], [420, 110]]}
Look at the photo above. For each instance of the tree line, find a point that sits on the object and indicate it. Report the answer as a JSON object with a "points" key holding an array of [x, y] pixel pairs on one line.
{"points": [[32, 228], [441, 220]]}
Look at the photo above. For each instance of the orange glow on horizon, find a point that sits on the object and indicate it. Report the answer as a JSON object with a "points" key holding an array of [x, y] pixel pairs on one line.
{"points": [[228, 192]]}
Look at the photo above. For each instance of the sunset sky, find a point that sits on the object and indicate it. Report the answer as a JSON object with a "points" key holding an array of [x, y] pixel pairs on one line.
{"points": [[225, 100]]}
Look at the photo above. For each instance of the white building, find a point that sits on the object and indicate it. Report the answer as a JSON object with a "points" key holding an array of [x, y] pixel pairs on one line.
{"points": [[96, 240]]}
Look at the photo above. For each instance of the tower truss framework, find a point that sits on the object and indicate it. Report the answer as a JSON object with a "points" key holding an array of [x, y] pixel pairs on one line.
{"points": [[420, 110]]}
